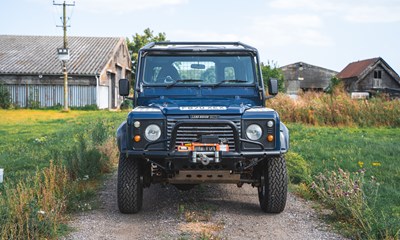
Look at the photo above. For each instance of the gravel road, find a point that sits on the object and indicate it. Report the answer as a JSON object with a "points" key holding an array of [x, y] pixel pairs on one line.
{"points": [[215, 211]]}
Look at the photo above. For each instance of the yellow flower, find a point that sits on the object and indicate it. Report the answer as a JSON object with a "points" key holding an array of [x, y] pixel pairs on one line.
{"points": [[376, 164], [360, 164]]}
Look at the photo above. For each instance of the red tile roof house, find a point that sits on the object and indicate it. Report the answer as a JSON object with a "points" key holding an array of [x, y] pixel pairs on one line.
{"points": [[371, 75], [31, 71]]}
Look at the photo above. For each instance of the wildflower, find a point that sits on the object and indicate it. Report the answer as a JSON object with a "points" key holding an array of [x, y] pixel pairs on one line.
{"points": [[376, 164], [41, 212], [40, 140], [360, 164]]}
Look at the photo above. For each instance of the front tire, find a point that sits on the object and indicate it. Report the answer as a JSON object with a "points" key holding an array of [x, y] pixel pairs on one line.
{"points": [[130, 185], [273, 190]]}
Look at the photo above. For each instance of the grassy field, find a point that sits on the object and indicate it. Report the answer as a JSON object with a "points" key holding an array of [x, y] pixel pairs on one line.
{"points": [[52, 162], [31, 138], [374, 151]]}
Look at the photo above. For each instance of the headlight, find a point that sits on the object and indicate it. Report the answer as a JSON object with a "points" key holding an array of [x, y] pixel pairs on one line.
{"points": [[152, 132], [254, 132]]}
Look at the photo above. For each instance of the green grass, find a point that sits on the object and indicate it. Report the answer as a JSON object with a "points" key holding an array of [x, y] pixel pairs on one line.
{"points": [[52, 163], [375, 150], [31, 138]]}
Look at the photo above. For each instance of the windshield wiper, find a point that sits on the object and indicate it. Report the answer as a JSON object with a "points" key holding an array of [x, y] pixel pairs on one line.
{"points": [[229, 80], [183, 80]]}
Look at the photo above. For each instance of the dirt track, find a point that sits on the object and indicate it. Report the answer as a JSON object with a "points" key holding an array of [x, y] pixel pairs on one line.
{"points": [[209, 211]]}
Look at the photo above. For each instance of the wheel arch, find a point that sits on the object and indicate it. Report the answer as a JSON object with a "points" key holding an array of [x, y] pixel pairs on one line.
{"points": [[122, 137], [284, 137]]}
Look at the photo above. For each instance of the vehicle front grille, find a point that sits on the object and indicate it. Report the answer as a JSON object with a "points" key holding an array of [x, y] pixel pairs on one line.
{"points": [[189, 133]]}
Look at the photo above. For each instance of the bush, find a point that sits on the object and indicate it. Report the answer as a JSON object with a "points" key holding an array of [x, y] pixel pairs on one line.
{"points": [[84, 160], [298, 169], [5, 97], [126, 104], [344, 193]]}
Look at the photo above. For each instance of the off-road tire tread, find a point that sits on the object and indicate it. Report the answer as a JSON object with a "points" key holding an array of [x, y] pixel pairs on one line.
{"points": [[129, 186], [275, 177]]}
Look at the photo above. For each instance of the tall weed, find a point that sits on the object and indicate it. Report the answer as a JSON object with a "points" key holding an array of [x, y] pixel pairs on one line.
{"points": [[345, 194], [337, 109], [34, 207], [33, 203]]}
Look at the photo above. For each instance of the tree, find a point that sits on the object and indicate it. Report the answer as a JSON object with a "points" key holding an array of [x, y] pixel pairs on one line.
{"points": [[138, 41], [270, 70], [333, 85]]}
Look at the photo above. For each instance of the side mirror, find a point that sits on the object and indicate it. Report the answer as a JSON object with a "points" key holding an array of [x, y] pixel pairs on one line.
{"points": [[273, 86], [124, 87]]}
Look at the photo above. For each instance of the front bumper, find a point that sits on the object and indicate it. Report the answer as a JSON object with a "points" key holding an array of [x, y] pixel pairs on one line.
{"points": [[169, 158], [188, 155]]}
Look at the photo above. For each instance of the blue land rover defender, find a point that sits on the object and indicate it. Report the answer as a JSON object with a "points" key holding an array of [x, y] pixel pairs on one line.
{"points": [[199, 116]]}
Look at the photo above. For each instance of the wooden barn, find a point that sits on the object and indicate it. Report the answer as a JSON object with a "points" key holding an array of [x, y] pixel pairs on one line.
{"points": [[371, 76], [306, 77], [31, 71]]}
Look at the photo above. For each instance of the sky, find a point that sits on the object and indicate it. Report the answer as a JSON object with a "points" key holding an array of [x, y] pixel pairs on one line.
{"points": [[325, 33]]}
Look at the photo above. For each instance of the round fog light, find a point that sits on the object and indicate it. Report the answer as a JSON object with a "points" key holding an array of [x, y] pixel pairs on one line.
{"points": [[270, 123]]}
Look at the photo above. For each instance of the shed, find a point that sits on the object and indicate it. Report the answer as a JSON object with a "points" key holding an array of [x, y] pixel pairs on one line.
{"points": [[31, 71], [306, 77], [371, 75]]}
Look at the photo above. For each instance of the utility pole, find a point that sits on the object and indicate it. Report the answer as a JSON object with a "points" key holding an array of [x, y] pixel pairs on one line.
{"points": [[63, 53]]}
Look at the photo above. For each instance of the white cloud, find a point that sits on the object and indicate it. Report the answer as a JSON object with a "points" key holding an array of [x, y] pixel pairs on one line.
{"points": [[299, 29], [122, 6], [316, 5], [184, 35], [374, 14], [360, 11]]}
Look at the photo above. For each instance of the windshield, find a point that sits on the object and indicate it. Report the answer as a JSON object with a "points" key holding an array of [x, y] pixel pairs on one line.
{"points": [[198, 70]]}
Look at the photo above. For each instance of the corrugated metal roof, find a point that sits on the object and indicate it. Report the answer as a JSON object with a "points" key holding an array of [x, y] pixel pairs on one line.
{"points": [[355, 69], [38, 54]]}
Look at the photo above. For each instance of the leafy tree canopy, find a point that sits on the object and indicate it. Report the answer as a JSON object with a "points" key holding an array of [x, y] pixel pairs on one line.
{"points": [[270, 70], [140, 40]]}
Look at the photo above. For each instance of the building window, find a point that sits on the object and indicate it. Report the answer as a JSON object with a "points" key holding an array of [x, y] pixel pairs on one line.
{"points": [[378, 74], [377, 83]]}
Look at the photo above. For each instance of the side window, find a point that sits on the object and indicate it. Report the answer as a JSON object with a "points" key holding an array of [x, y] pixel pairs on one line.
{"points": [[229, 73]]}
